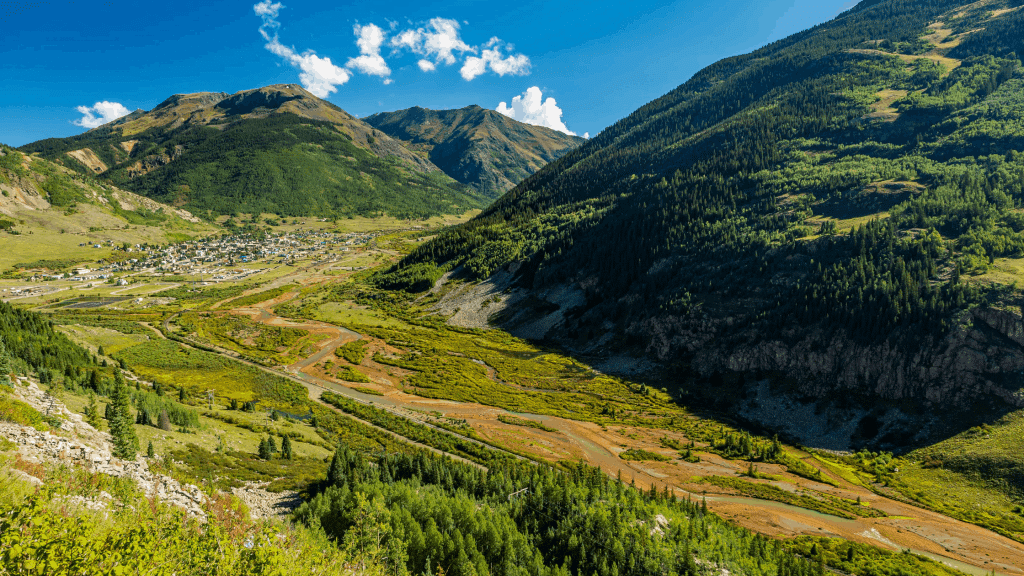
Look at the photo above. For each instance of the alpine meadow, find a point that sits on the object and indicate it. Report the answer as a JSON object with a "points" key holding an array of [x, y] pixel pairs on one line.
{"points": [[389, 314]]}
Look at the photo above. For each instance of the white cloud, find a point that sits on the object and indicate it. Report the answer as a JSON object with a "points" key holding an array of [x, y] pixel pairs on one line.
{"points": [[369, 39], [268, 11], [515, 64], [438, 40], [318, 75], [99, 114], [531, 108]]}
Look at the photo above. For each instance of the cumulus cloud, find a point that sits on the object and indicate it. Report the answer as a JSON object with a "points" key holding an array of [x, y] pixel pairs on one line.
{"points": [[439, 40], [369, 38], [491, 57], [99, 114], [531, 108], [318, 75]]}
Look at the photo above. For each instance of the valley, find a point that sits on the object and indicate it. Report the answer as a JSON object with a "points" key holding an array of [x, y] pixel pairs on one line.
{"points": [[316, 322], [769, 323]]}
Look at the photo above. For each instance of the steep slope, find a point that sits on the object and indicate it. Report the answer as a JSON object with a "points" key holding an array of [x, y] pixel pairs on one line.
{"points": [[52, 217], [797, 223], [482, 148], [277, 149]]}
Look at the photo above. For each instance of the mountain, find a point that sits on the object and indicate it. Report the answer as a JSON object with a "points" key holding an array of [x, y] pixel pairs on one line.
{"points": [[277, 149], [481, 148], [53, 218], [827, 228]]}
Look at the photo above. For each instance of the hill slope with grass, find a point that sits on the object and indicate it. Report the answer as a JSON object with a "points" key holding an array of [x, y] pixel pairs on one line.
{"points": [[481, 148], [811, 229], [52, 217], [277, 149]]}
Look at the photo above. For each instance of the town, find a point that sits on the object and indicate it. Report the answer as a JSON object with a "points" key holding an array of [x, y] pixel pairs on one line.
{"points": [[204, 261]]}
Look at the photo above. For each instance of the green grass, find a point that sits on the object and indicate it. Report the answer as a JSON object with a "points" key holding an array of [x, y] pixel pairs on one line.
{"points": [[525, 422], [257, 297], [233, 469], [639, 455], [819, 503], [349, 374], [452, 364], [253, 340], [18, 412], [110, 340], [976, 476], [171, 364], [349, 314], [370, 391]]}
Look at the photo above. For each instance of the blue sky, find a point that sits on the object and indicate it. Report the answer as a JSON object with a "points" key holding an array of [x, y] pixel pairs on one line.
{"points": [[598, 61]]}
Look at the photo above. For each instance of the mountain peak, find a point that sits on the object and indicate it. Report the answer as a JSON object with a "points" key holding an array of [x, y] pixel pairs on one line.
{"points": [[475, 146]]}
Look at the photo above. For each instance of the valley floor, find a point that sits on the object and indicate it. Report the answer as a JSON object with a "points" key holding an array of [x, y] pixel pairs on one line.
{"points": [[318, 324]]}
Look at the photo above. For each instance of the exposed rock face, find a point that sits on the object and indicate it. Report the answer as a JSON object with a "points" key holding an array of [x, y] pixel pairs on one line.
{"points": [[89, 158], [264, 504], [79, 444], [982, 356], [856, 394]]}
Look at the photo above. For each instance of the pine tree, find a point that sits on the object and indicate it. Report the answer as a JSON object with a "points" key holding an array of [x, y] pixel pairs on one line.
{"points": [[164, 422], [149, 450], [264, 450], [336, 472], [126, 443], [286, 448], [271, 445], [92, 413], [5, 364], [181, 394]]}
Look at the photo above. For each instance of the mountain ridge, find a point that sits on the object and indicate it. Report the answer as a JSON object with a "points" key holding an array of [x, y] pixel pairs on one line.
{"points": [[271, 149], [478, 147], [775, 218]]}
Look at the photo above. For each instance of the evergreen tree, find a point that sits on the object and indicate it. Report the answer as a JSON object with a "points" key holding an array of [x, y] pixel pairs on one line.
{"points": [[264, 450], [286, 448], [92, 413], [336, 475], [164, 421], [126, 443], [149, 450], [181, 394], [5, 364], [271, 445], [143, 417]]}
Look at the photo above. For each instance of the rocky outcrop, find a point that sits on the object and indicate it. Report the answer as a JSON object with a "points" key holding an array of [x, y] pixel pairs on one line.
{"points": [[265, 504], [982, 356], [77, 443]]}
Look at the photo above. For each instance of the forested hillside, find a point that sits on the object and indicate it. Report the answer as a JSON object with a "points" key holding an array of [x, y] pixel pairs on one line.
{"points": [[482, 148], [277, 150], [839, 210]]}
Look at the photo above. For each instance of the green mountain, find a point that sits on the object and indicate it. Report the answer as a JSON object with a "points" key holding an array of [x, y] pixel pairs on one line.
{"points": [[834, 218], [277, 149], [53, 218], [482, 148]]}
